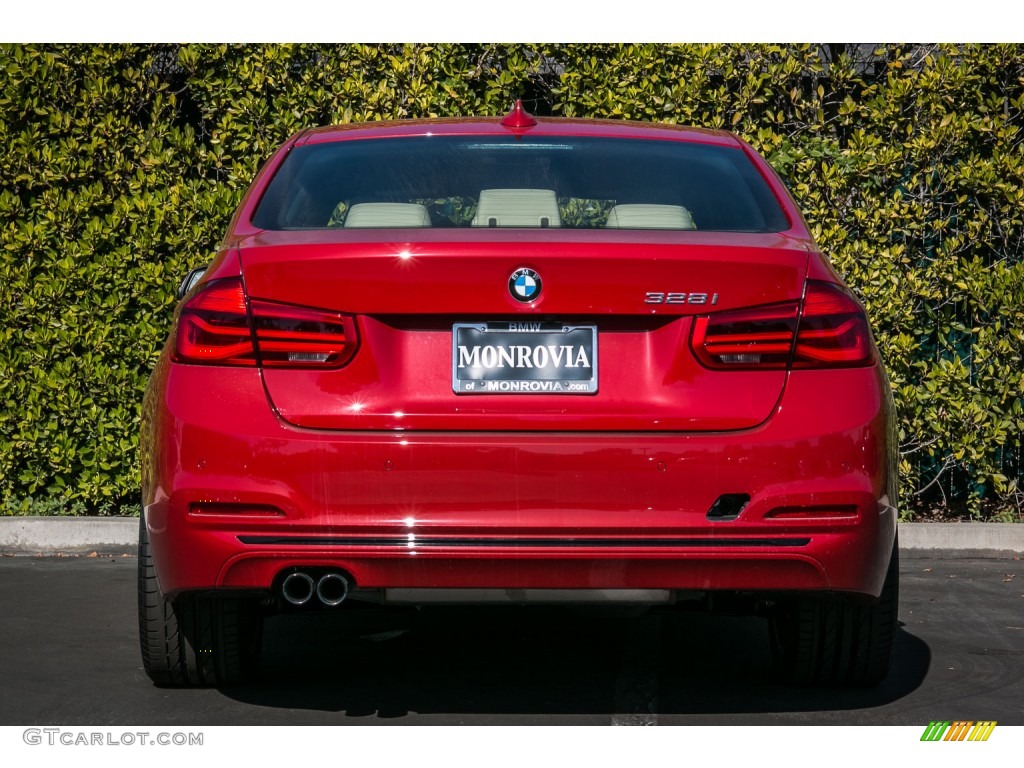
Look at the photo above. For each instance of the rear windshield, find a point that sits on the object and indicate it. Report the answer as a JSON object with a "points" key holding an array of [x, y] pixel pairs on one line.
{"points": [[523, 182]]}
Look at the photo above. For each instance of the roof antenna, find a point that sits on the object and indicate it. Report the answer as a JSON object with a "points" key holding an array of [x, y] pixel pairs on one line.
{"points": [[518, 118]]}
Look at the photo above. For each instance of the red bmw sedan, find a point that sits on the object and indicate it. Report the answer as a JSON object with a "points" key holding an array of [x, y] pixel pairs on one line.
{"points": [[518, 360]]}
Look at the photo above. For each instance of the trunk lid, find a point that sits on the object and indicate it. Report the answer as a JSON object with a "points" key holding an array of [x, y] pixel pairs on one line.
{"points": [[639, 291]]}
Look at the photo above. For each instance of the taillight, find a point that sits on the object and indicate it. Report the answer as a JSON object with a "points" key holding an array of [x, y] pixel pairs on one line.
{"points": [[833, 330], [750, 338], [298, 337], [828, 331], [213, 329]]}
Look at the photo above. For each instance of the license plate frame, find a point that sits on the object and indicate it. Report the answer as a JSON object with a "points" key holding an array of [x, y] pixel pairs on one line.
{"points": [[482, 353]]}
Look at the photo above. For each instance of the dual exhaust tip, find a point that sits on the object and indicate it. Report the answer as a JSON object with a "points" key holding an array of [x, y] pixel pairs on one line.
{"points": [[330, 589]]}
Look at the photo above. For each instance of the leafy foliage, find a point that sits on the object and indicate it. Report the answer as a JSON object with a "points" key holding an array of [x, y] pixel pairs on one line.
{"points": [[123, 164]]}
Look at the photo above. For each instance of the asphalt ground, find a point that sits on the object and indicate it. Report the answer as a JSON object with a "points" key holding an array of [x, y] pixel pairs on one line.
{"points": [[69, 650]]}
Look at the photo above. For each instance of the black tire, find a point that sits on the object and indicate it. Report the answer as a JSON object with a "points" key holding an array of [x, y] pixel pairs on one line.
{"points": [[837, 640], [194, 641]]}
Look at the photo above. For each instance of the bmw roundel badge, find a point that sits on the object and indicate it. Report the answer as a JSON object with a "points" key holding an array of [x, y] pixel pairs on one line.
{"points": [[524, 285]]}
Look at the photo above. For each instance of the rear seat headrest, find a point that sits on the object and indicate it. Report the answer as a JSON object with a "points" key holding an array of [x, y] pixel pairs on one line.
{"points": [[644, 216], [517, 208], [387, 215]]}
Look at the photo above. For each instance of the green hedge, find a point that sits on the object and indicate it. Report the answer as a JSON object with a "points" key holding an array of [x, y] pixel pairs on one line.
{"points": [[122, 164]]}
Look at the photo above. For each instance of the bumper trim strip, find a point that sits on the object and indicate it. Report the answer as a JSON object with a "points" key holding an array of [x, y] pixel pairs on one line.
{"points": [[408, 542]]}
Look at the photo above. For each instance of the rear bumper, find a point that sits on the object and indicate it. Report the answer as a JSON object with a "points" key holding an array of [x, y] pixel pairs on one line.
{"points": [[234, 496]]}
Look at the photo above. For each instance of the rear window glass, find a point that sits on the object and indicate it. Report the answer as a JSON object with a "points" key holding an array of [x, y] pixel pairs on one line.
{"points": [[509, 181]]}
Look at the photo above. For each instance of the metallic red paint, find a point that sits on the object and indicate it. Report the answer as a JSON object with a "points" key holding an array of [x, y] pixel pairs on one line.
{"points": [[518, 118], [230, 448]]}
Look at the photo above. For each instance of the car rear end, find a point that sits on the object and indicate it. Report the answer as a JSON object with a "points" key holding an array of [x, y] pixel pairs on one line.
{"points": [[568, 362]]}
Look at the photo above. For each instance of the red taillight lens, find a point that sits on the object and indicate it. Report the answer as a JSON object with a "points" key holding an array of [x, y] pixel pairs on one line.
{"points": [[213, 329], [298, 337], [751, 338], [832, 332]]}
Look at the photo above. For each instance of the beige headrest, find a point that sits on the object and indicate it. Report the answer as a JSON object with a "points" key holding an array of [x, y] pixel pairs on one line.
{"points": [[637, 216], [387, 215], [517, 208]]}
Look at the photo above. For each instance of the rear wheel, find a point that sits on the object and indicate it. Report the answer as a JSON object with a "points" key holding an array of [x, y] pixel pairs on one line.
{"points": [[837, 640], [194, 640]]}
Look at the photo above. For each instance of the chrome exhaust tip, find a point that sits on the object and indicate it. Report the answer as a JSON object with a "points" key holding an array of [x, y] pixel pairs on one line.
{"points": [[297, 588], [332, 589]]}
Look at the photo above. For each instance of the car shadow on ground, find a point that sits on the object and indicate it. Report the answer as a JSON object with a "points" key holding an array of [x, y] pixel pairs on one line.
{"points": [[542, 661]]}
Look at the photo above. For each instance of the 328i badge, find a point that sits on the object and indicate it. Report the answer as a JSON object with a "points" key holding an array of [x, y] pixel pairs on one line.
{"points": [[488, 359]]}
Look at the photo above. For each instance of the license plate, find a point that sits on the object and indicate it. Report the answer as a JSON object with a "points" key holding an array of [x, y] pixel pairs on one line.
{"points": [[513, 357]]}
